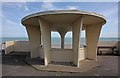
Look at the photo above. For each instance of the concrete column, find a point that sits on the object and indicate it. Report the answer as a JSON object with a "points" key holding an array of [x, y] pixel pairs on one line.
{"points": [[62, 34], [46, 37], [62, 42], [34, 40], [76, 29], [40, 38], [92, 36]]}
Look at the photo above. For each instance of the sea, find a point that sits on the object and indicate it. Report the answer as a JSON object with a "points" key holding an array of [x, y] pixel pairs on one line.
{"points": [[54, 40]]}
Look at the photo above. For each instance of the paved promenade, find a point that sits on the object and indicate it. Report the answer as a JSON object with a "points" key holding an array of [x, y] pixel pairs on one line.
{"points": [[14, 65]]}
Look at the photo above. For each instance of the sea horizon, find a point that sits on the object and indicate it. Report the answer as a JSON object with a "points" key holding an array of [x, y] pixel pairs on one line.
{"points": [[56, 40]]}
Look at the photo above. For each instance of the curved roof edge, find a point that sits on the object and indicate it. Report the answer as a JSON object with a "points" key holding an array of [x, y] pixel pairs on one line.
{"points": [[61, 12]]}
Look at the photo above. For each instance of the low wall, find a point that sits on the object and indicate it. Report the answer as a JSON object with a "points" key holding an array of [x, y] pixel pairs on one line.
{"points": [[23, 46], [108, 43], [9, 46], [41, 52], [66, 55], [82, 54], [61, 55], [18, 46]]}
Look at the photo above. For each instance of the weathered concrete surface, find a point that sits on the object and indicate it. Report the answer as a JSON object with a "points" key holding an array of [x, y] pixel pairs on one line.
{"points": [[34, 40], [46, 37], [52, 16], [62, 21], [85, 65], [15, 62]]}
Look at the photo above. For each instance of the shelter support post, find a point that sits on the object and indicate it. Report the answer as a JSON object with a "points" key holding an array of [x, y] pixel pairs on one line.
{"points": [[92, 37], [34, 40], [46, 37], [62, 42], [62, 34], [76, 29]]}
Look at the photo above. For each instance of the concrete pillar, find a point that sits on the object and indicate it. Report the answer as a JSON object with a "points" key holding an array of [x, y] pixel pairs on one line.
{"points": [[76, 29], [34, 40], [46, 37], [40, 38], [62, 34], [92, 36], [62, 43]]}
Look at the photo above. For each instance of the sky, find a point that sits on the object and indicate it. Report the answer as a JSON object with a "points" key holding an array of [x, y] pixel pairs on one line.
{"points": [[13, 12]]}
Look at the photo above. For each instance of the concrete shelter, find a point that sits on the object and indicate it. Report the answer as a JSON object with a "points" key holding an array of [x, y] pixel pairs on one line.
{"points": [[39, 26]]}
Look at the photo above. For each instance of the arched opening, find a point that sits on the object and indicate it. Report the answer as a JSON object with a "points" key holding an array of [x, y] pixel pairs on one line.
{"points": [[55, 40], [68, 40]]}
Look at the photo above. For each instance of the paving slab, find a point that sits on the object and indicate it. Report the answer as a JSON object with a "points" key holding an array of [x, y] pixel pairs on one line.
{"points": [[85, 65], [13, 64]]}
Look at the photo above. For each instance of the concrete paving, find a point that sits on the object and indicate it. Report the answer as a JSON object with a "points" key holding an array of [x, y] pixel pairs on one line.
{"points": [[85, 65], [14, 65]]}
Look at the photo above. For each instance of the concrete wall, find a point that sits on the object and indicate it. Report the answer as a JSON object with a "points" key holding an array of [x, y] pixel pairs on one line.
{"points": [[82, 54], [9, 46], [21, 46], [108, 43], [24, 45], [61, 55], [18, 46]]}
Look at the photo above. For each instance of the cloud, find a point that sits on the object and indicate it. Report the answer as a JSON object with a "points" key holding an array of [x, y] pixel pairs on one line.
{"points": [[114, 21], [47, 6], [26, 8], [12, 29], [18, 0], [110, 11], [50, 6], [19, 5], [22, 6], [72, 7], [114, 35], [6, 20], [50, 0], [60, 0], [11, 26], [11, 22]]}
